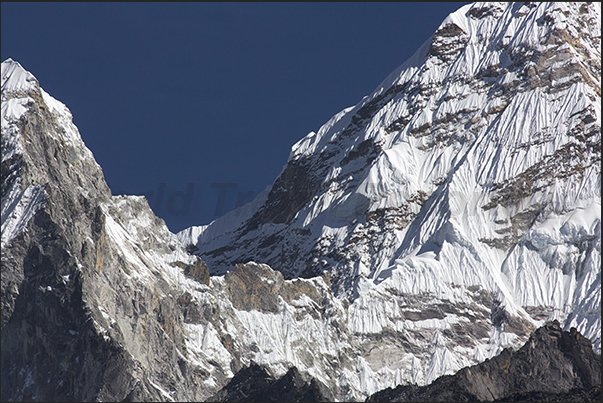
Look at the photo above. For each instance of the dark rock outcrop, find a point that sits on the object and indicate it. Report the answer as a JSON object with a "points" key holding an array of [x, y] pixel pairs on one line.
{"points": [[256, 384], [554, 365], [575, 395]]}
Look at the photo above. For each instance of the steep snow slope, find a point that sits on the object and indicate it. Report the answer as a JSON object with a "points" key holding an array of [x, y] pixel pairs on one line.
{"points": [[458, 205], [18, 203]]}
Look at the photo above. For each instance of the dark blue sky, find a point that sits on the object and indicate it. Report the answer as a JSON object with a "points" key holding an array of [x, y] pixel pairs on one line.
{"points": [[180, 100]]}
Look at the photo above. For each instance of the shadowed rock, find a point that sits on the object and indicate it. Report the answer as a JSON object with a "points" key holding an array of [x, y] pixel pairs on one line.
{"points": [[256, 384]]}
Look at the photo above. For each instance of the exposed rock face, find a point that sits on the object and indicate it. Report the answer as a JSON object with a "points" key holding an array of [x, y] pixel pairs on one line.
{"points": [[553, 365], [592, 394], [255, 384]]}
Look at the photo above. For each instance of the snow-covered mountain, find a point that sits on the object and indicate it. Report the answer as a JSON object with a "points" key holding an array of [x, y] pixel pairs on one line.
{"points": [[458, 205], [440, 220]]}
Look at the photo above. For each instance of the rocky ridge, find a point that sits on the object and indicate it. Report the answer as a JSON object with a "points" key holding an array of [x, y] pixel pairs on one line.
{"points": [[256, 384], [84, 313], [101, 302]]}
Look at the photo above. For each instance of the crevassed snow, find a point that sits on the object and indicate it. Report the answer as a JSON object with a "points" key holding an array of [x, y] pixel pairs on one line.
{"points": [[455, 134], [314, 142]]}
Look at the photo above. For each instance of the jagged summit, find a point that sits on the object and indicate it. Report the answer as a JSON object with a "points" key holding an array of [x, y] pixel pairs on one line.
{"points": [[15, 78], [80, 269], [426, 229]]}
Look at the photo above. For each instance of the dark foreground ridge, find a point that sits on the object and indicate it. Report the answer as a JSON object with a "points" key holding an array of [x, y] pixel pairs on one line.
{"points": [[256, 384], [553, 366]]}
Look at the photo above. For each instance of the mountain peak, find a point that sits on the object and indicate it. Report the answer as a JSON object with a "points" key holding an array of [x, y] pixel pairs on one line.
{"points": [[457, 179], [15, 79], [431, 227]]}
